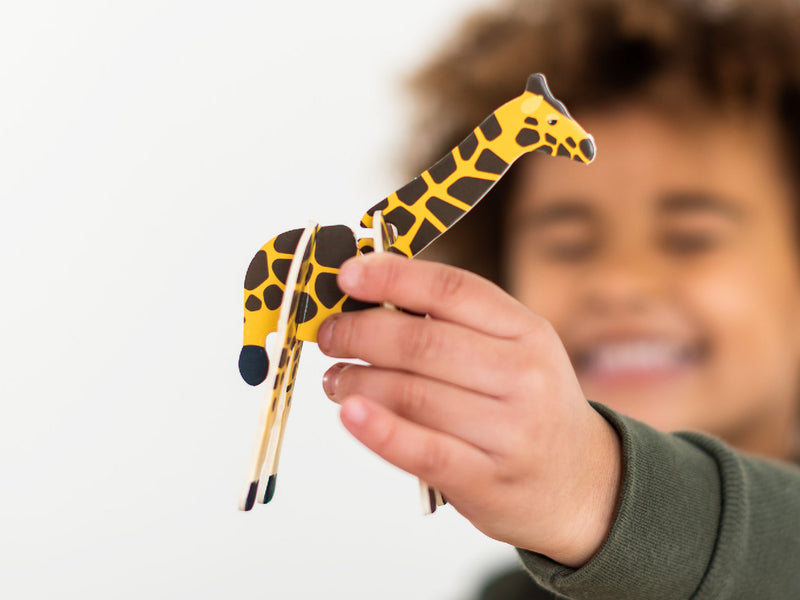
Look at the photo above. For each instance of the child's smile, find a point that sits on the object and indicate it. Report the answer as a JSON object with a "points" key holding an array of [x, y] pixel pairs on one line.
{"points": [[641, 359], [670, 270]]}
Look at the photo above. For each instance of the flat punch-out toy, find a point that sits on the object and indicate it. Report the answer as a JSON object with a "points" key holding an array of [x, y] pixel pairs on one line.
{"points": [[290, 286]]}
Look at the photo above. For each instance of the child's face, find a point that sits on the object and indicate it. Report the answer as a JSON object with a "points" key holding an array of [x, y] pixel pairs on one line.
{"points": [[669, 267]]}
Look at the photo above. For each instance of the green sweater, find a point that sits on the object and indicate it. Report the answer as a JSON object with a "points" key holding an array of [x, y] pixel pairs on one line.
{"points": [[696, 519]]}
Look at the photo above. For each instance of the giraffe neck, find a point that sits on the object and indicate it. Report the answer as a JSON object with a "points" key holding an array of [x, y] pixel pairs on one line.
{"points": [[432, 202]]}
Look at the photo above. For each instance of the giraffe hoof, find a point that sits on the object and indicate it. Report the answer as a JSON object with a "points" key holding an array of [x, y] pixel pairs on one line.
{"points": [[253, 364], [270, 492]]}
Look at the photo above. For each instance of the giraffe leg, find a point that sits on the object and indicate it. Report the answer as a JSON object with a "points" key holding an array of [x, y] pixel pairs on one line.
{"points": [[270, 469], [286, 341], [383, 236], [427, 496]]}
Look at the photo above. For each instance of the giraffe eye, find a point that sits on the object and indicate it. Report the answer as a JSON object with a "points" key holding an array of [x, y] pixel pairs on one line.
{"points": [[552, 121]]}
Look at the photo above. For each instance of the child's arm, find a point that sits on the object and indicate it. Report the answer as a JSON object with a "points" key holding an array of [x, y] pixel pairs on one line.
{"points": [[479, 401]]}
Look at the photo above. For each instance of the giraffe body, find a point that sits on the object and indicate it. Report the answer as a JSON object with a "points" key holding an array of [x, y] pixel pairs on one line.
{"points": [[265, 284], [420, 212]]}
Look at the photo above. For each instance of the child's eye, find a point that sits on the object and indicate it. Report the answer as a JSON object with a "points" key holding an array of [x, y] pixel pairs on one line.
{"points": [[569, 251], [693, 242]]}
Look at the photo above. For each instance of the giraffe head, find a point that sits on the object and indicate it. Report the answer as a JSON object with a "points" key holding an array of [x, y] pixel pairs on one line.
{"points": [[549, 124]]}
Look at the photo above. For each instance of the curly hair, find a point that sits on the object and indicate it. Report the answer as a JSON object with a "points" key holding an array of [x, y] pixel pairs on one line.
{"points": [[595, 53]]}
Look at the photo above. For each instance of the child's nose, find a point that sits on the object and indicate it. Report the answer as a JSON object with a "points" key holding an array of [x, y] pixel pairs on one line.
{"points": [[623, 282]]}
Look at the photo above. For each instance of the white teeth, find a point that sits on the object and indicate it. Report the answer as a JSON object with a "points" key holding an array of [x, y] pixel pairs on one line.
{"points": [[634, 356]]}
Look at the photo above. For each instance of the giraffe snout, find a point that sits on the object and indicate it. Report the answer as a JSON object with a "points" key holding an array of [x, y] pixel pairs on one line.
{"points": [[588, 149]]}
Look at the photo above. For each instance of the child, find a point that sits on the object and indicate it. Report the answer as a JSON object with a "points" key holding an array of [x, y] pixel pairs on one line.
{"points": [[662, 283]]}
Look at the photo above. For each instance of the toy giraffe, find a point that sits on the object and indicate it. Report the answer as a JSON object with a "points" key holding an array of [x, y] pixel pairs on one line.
{"points": [[290, 285]]}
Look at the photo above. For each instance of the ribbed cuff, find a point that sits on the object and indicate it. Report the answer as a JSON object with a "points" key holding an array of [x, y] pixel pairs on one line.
{"points": [[665, 528]]}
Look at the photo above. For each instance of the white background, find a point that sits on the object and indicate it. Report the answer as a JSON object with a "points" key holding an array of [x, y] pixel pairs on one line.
{"points": [[147, 150]]}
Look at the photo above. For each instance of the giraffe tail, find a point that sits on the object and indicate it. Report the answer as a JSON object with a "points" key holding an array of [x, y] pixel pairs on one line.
{"points": [[253, 364]]}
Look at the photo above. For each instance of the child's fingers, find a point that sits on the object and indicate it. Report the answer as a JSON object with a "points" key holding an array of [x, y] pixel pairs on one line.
{"points": [[428, 347], [471, 417], [444, 292], [440, 460]]}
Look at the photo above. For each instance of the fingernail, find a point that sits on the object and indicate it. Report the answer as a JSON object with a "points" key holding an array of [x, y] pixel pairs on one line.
{"points": [[354, 412], [350, 275], [331, 377], [325, 334]]}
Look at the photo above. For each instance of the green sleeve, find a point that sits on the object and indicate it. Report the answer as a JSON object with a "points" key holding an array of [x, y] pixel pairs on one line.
{"points": [[695, 520]]}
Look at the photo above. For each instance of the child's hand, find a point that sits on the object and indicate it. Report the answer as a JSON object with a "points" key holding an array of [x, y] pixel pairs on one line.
{"points": [[479, 401]]}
